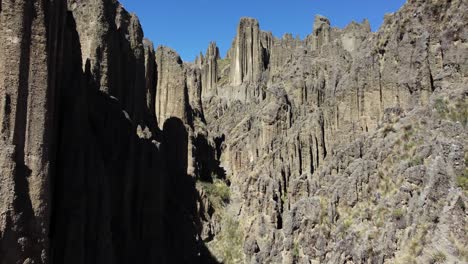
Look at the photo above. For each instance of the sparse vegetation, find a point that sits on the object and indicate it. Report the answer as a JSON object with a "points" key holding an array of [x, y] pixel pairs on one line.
{"points": [[387, 130], [441, 106], [456, 113], [439, 257], [218, 192], [462, 248], [408, 132], [398, 213], [415, 161], [228, 243], [416, 245], [347, 223], [409, 146], [323, 211], [295, 251], [462, 180]]}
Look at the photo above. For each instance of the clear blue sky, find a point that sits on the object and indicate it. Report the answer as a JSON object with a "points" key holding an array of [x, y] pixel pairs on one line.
{"points": [[189, 25]]}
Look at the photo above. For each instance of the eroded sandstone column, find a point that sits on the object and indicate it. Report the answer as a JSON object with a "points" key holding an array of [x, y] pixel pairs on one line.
{"points": [[171, 91], [321, 34], [210, 71], [247, 62]]}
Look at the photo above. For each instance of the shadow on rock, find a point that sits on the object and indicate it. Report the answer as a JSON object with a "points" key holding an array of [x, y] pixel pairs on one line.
{"points": [[182, 233]]}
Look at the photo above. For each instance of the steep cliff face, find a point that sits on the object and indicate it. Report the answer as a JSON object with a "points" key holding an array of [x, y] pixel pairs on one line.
{"points": [[210, 71], [335, 136], [247, 60], [347, 146], [112, 40], [30, 63], [151, 81], [87, 176], [322, 31], [171, 94]]}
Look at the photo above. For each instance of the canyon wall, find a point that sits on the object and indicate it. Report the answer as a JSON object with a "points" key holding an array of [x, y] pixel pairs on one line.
{"points": [[348, 146], [87, 174], [30, 63], [315, 159]]}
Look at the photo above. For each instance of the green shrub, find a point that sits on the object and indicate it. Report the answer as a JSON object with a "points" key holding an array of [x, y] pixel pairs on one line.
{"points": [[228, 243], [218, 192], [462, 180], [459, 113], [398, 213], [409, 146], [416, 161], [295, 250], [456, 113], [347, 223], [441, 106]]}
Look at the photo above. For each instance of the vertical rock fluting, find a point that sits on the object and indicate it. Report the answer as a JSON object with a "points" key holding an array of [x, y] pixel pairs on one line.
{"points": [[30, 62], [78, 140], [354, 34], [171, 90], [321, 34], [210, 71], [112, 40], [281, 52], [300, 164], [151, 80], [94, 23], [108, 181], [248, 55]]}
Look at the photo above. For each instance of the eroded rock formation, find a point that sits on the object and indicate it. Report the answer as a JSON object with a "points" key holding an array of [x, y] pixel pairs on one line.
{"points": [[171, 94], [346, 146], [210, 70], [249, 57], [86, 174], [311, 156]]}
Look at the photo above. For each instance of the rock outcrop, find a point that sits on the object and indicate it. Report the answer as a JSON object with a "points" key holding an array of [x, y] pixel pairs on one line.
{"points": [[210, 71], [171, 94], [249, 58], [336, 139], [29, 73], [348, 146], [322, 31], [151, 81], [86, 174]]}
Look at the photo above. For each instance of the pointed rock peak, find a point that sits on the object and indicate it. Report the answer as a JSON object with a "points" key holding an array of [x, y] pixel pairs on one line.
{"points": [[148, 43], [171, 89], [248, 22], [168, 53], [212, 51], [366, 24], [287, 36], [321, 32], [321, 20], [199, 60]]}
